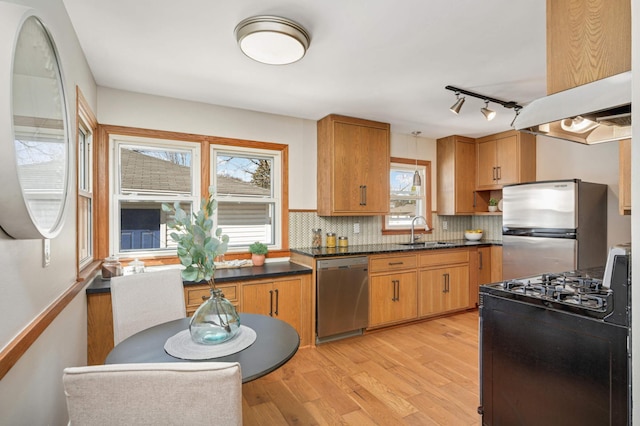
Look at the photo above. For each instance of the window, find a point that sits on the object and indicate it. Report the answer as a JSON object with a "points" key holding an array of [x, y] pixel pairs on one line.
{"points": [[248, 188], [147, 173], [406, 200], [85, 210]]}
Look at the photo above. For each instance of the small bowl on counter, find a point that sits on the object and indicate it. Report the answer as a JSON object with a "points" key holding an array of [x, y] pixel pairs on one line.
{"points": [[473, 234]]}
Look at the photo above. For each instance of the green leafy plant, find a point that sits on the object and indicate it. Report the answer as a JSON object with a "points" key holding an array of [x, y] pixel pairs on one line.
{"points": [[198, 246], [258, 248], [493, 202]]}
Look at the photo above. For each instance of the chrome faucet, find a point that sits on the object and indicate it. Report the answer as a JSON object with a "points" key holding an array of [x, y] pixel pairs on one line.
{"points": [[413, 224]]}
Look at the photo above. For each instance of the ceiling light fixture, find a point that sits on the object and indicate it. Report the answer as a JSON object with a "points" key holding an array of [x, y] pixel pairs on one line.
{"points": [[489, 114], [417, 180], [272, 40], [455, 108]]}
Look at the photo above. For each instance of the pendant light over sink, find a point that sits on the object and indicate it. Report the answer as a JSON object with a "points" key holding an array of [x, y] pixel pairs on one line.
{"points": [[417, 180]]}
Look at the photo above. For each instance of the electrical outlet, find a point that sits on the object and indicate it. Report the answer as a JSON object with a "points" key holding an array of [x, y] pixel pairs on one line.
{"points": [[356, 228], [46, 252], [445, 225]]}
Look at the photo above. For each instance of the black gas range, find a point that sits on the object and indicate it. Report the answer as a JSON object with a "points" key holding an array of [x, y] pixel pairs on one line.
{"points": [[578, 292], [554, 348]]}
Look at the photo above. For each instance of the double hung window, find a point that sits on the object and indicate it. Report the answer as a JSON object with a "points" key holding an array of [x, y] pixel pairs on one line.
{"points": [[148, 173], [407, 200]]}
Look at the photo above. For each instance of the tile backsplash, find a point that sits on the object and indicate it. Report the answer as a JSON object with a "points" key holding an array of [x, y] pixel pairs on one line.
{"points": [[301, 224]]}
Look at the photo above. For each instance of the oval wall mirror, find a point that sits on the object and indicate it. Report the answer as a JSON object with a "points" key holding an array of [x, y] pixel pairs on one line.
{"points": [[35, 137]]}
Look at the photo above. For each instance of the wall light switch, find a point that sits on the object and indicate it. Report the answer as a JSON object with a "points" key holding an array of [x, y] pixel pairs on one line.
{"points": [[46, 252], [356, 228]]}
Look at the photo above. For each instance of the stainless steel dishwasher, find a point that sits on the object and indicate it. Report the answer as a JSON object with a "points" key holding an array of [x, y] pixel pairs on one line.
{"points": [[342, 302]]}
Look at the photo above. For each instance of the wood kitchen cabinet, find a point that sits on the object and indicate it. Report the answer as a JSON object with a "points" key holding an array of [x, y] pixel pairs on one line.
{"points": [[480, 262], [505, 158], [456, 171], [196, 295], [280, 299], [624, 180], [443, 284], [392, 289], [587, 40], [353, 167]]}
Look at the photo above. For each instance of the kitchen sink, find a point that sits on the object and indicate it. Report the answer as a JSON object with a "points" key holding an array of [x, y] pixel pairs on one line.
{"points": [[427, 244]]}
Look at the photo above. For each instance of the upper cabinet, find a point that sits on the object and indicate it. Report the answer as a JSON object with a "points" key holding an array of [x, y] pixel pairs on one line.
{"points": [[456, 173], [505, 158], [353, 167], [625, 177], [587, 40]]}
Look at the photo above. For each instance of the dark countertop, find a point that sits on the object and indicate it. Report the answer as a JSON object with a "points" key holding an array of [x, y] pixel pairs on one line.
{"points": [[268, 270], [366, 249]]}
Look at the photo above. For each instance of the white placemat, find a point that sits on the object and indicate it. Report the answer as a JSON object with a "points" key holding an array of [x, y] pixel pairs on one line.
{"points": [[181, 346]]}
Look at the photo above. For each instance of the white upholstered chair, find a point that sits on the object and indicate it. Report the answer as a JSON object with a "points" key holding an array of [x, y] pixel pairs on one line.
{"points": [[177, 393], [141, 301]]}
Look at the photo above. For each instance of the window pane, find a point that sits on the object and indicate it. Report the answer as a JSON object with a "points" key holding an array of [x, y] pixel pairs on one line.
{"points": [[245, 223], [155, 170], [402, 182], [85, 229], [240, 175], [143, 226]]}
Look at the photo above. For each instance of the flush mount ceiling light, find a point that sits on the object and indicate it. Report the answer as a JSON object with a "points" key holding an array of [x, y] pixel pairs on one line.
{"points": [[455, 108], [272, 40], [489, 114]]}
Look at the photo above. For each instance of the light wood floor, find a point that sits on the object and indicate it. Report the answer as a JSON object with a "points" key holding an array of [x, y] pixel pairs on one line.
{"points": [[421, 374]]}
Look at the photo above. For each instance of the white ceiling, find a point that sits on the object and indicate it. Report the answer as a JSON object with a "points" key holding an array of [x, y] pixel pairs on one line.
{"points": [[384, 60]]}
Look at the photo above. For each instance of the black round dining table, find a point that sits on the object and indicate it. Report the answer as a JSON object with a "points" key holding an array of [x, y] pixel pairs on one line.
{"points": [[276, 342]]}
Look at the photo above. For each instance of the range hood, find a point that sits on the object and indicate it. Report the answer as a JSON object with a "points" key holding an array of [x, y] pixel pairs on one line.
{"points": [[592, 113]]}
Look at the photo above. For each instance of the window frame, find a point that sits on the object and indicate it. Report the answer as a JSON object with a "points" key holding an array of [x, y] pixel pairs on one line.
{"points": [[117, 141], [276, 188], [427, 185], [86, 124]]}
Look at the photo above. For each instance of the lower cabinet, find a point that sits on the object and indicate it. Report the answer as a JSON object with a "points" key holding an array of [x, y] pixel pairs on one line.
{"points": [[280, 299], [443, 284], [393, 298], [442, 290], [287, 298]]}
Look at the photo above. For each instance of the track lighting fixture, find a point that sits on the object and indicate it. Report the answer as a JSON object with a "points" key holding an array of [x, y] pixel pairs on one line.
{"points": [[455, 108], [417, 180], [488, 113]]}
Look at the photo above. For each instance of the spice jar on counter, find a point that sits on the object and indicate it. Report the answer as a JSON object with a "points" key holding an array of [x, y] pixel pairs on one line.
{"points": [[111, 267], [343, 242], [331, 239], [316, 239]]}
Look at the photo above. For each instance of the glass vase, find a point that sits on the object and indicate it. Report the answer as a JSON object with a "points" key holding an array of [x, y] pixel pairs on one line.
{"points": [[215, 321]]}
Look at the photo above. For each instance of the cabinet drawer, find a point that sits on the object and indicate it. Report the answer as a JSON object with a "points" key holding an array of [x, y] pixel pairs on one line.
{"points": [[444, 257], [392, 263], [197, 295]]}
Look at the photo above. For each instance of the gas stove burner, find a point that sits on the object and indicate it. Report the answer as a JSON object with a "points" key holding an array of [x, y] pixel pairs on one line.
{"points": [[568, 288]]}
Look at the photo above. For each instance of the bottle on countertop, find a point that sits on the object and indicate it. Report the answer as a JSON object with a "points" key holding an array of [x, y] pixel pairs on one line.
{"points": [[316, 239], [331, 239]]}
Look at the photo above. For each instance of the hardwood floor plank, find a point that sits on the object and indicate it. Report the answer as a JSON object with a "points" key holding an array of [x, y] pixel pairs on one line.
{"points": [[420, 374]]}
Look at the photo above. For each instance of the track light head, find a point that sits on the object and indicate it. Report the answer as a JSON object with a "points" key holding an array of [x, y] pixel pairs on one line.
{"points": [[488, 113], [455, 108]]}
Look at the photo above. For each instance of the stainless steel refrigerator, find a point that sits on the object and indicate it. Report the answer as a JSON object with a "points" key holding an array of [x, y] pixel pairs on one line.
{"points": [[553, 226]]}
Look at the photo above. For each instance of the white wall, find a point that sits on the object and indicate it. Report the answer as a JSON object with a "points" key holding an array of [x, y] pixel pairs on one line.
{"points": [[558, 159], [31, 392]]}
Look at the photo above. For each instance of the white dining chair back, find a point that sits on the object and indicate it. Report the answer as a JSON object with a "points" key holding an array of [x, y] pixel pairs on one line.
{"points": [[177, 393], [140, 301]]}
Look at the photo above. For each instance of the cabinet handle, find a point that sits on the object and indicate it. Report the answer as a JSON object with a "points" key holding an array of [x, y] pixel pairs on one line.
{"points": [[499, 170], [447, 282], [393, 283], [270, 303], [395, 263], [205, 298], [480, 260], [277, 302], [495, 173], [397, 290], [362, 195], [444, 283]]}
